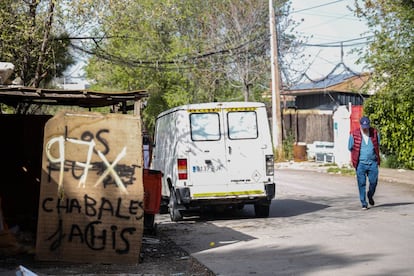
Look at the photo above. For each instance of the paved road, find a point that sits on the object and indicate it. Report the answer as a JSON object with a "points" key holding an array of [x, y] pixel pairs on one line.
{"points": [[316, 227]]}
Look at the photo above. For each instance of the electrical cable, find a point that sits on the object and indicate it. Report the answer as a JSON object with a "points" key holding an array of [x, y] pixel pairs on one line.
{"points": [[314, 7]]}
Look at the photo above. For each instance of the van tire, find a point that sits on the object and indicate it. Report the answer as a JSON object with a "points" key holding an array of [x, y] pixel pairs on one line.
{"points": [[175, 214], [262, 210]]}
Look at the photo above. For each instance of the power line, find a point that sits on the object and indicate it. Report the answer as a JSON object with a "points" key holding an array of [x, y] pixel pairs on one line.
{"points": [[332, 19], [345, 16], [185, 61], [342, 43], [314, 7], [333, 45]]}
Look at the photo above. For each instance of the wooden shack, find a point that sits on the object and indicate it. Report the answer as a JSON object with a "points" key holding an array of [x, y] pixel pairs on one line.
{"points": [[22, 144]]}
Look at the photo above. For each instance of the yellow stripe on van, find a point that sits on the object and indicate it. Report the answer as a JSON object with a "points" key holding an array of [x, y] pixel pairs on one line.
{"points": [[206, 110], [241, 109], [203, 110], [225, 194]]}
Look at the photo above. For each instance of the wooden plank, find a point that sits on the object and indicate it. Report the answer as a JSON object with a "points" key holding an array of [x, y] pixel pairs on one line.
{"points": [[91, 194]]}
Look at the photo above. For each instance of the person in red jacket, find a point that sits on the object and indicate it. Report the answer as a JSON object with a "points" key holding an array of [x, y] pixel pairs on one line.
{"points": [[364, 146]]}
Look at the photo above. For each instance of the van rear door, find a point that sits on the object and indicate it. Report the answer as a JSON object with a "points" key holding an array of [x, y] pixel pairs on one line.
{"points": [[246, 147], [208, 173]]}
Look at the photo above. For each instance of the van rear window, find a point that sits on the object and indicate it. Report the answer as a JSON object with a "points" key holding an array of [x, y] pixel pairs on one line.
{"points": [[242, 125], [205, 126]]}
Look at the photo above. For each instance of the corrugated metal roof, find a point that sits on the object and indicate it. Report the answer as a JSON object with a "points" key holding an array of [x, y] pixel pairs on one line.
{"points": [[13, 95], [328, 81], [341, 79]]}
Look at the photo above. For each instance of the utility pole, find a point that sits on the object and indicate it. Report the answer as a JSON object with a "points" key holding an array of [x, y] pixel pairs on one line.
{"points": [[276, 112]]}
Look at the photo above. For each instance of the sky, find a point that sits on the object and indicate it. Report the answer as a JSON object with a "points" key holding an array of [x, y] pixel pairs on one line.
{"points": [[329, 22]]}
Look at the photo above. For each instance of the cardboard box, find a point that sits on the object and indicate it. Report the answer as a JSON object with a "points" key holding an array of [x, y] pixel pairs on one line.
{"points": [[91, 206]]}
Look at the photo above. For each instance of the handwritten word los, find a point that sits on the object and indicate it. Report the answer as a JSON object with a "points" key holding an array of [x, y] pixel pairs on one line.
{"points": [[89, 144]]}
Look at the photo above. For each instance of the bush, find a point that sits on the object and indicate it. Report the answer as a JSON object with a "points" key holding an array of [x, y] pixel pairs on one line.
{"points": [[391, 161]]}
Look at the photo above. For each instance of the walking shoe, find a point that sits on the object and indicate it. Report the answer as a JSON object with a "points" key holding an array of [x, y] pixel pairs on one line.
{"points": [[371, 200], [365, 208]]}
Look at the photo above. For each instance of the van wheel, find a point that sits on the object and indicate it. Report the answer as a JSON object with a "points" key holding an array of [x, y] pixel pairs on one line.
{"points": [[175, 214], [262, 209]]}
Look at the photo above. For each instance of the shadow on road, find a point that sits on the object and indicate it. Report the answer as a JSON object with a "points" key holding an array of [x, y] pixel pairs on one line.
{"points": [[218, 246], [389, 205], [295, 260], [278, 208], [294, 207], [196, 236]]}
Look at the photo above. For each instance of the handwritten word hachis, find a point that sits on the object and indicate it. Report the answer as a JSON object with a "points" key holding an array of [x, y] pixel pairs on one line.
{"points": [[86, 166], [95, 238], [94, 234]]}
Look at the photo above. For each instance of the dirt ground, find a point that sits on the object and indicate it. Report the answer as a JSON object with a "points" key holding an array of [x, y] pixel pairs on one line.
{"points": [[159, 256]]}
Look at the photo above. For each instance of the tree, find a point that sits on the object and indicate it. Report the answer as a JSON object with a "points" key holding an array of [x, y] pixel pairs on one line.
{"points": [[183, 51], [139, 51], [391, 56], [30, 39]]}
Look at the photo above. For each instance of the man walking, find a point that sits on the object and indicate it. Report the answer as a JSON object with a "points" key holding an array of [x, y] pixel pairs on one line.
{"points": [[364, 146]]}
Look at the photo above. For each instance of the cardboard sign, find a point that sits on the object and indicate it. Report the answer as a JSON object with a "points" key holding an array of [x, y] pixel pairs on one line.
{"points": [[91, 197]]}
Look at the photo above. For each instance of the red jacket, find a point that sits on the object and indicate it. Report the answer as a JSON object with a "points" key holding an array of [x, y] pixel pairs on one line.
{"points": [[356, 134]]}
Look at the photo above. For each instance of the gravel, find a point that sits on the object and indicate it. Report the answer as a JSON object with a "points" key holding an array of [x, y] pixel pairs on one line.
{"points": [[159, 256]]}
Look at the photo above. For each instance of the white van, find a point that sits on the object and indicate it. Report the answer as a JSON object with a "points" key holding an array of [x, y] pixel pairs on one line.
{"points": [[215, 154]]}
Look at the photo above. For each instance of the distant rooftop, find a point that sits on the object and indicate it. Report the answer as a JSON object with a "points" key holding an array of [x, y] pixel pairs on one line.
{"points": [[346, 81], [326, 82]]}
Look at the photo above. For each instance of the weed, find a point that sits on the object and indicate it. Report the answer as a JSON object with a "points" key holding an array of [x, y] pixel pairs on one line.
{"points": [[343, 171], [287, 145]]}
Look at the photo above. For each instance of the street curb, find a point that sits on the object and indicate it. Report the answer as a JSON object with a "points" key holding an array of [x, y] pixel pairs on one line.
{"points": [[399, 176]]}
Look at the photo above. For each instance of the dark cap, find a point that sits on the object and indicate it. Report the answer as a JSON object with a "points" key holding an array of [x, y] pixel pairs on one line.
{"points": [[364, 122]]}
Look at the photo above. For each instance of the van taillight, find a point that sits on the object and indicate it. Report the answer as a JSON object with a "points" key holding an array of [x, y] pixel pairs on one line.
{"points": [[182, 169], [270, 169]]}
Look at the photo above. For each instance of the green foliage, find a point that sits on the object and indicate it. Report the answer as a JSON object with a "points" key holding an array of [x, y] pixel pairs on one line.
{"points": [[287, 146], [391, 55], [38, 48], [392, 111], [183, 51], [4, 109], [390, 161]]}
